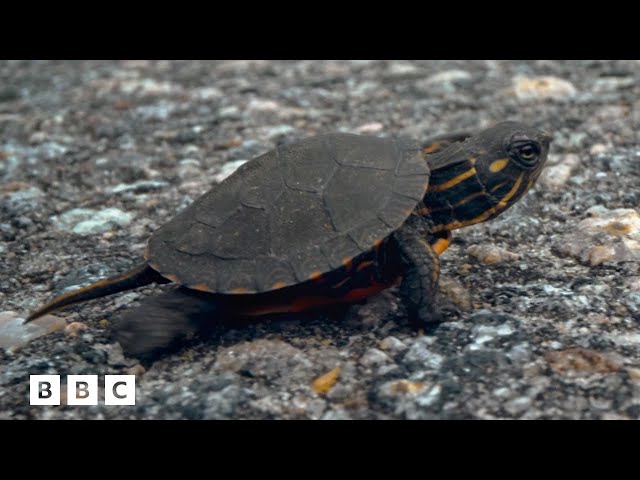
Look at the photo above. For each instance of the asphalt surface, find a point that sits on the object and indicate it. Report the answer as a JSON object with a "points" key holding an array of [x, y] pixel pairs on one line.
{"points": [[542, 305]]}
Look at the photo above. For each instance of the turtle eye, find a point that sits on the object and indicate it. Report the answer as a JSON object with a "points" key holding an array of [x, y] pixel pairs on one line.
{"points": [[525, 153]]}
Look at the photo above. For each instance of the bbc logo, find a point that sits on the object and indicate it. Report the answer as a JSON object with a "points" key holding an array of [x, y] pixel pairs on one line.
{"points": [[82, 389]]}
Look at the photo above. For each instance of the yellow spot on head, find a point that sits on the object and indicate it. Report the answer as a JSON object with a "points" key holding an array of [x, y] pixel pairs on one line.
{"points": [[278, 285], [454, 181], [240, 291], [202, 287], [498, 165], [324, 383], [315, 275]]}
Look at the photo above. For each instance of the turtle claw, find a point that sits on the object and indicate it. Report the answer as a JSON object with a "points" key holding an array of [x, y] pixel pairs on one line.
{"points": [[426, 318]]}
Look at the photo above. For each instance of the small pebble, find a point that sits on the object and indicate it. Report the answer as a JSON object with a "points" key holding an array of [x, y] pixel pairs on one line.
{"points": [[227, 169], [577, 361], [450, 76], [141, 186], [420, 357], [542, 88], [395, 388], [598, 149], [392, 345], [456, 292], [74, 328], [401, 69], [369, 128], [374, 357], [608, 236], [262, 105], [137, 369], [14, 333], [87, 221], [324, 383], [554, 177], [492, 254]]}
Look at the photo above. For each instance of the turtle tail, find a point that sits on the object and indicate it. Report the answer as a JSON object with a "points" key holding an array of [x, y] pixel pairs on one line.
{"points": [[138, 276]]}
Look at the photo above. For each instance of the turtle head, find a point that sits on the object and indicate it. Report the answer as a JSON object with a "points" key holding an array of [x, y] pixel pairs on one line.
{"points": [[477, 179]]}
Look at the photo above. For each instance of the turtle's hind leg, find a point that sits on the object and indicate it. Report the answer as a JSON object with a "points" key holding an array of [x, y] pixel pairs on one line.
{"points": [[162, 322]]}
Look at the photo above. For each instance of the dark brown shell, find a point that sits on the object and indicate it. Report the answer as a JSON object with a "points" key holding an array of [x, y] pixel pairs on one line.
{"points": [[292, 214]]}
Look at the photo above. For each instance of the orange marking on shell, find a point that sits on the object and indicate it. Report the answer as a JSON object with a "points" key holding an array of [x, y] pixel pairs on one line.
{"points": [[347, 262], [240, 291], [170, 276], [315, 275], [202, 287], [278, 285], [377, 244]]}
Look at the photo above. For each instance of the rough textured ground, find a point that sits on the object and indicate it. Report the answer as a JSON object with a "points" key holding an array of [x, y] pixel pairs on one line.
{"points": [[542, 304]]}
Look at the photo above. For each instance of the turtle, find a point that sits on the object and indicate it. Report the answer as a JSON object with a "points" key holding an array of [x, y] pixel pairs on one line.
{"points": [[328, 220]]}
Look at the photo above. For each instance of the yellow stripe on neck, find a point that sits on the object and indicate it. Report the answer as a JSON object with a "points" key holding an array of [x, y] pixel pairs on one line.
{"points": [[454, 181], [487, 213]]}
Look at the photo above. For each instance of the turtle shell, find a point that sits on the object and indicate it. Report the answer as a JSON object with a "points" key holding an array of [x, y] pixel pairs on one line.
{"points": [[292, 214]]}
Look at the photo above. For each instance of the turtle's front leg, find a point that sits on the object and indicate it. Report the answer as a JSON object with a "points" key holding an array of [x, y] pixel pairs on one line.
{"points": [[422, 269], [162, 322]]}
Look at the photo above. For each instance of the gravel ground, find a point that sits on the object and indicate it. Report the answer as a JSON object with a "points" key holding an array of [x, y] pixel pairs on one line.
{"points": [[542, 304]]}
